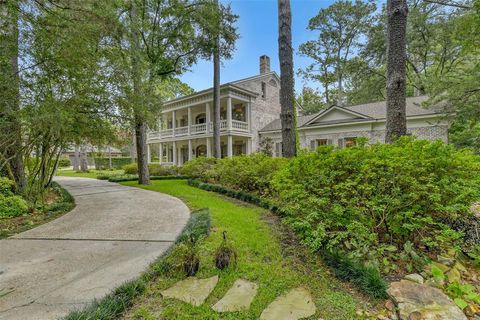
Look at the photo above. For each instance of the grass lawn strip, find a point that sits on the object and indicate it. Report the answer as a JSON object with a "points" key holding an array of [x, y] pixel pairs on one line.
{"points": [[267, 255]]}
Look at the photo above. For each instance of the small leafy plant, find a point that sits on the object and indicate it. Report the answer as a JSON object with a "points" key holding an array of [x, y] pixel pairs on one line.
{"points": [[225, 254], [191, 262]]}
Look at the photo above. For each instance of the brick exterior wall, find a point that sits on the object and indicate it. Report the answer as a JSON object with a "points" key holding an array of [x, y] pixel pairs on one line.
{"points": [[264, 110], [437, 132], [373, 136]]}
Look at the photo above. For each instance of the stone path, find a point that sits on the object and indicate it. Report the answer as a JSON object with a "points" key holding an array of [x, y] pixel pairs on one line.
{"points": [[295, 304], [110, 237], [238, 298]]}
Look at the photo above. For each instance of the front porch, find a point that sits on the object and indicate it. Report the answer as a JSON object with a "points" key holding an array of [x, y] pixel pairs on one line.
{"points": [[178, 152]]}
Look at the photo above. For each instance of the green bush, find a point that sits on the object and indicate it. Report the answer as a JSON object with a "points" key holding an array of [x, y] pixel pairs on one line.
{"points": [[130, 168], [371, 200], [64, 162], [200, 167], [154, 169], [252, 173], [6, 186], [102, 163], [12, 206]]}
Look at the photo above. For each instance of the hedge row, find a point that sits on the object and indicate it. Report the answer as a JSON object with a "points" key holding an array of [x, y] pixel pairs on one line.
{"points": [[116, 303], [102, 163], [134, 177], [240, 195]]}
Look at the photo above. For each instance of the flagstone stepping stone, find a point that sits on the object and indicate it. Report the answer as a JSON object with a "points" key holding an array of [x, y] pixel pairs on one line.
{"points": [[431, 303], [238, 297], [296, 304], [191, 290]]}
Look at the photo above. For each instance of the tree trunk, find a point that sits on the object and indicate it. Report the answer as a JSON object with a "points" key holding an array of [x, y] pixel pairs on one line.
{"points": [[287, 100], [76, 159], [139, 118], [83, 159], [109, 158], [397, 11], [10, 86], [217, 151]]}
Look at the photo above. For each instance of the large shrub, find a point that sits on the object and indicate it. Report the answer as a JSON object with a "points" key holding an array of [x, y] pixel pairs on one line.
{"points": [[200, 167], [10, 205], [375, 200], [64, 162], [251, 173]]}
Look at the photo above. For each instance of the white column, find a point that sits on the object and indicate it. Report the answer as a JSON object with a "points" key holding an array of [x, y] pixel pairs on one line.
{"points": [[229, 146], [229, 113], [148, 153], [207, 115], [209, 148], [189, 149], [249, 116], [249, 146], [189, 119], [174, 153], [160, 152], [174, 124]]}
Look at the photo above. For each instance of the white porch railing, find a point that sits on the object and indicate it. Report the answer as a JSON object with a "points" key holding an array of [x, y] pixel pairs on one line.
{"points": [[239, 125], [223, 125], [198, 128], [182, 131], [154, 135], [166, 133]]}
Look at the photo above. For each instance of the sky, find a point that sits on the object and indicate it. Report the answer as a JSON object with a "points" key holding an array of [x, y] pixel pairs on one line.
{"points": [[257, 26]]}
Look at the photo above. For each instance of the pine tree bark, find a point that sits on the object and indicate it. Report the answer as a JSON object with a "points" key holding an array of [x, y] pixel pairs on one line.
{"points": [[287, 100], [76, 158], [217, 151], [10, 87], [396, 125], [139, 118]]}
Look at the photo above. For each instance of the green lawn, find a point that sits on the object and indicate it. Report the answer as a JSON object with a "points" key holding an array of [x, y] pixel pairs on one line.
{"points": [[90, 174], [266, 255]]}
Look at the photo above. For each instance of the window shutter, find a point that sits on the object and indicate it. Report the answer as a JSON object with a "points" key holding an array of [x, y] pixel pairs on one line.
{"points": [[313, 145]]}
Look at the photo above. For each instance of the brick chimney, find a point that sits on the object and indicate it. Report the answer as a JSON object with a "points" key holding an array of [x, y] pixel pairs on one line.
{"points": [[264, 64]]}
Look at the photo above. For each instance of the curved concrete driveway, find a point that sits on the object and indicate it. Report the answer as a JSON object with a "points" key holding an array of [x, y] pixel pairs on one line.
{"points": [[110, 237]]}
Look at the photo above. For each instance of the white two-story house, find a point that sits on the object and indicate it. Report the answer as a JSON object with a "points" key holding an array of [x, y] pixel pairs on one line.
{"points": [[250, 112], [186, 127]]}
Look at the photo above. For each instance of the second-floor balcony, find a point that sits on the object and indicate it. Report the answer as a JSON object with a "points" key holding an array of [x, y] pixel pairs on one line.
{"points": [[197, 129]]}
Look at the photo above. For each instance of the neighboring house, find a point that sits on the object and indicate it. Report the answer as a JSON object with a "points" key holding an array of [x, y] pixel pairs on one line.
{"points": [[185, 130], [341, 126]]}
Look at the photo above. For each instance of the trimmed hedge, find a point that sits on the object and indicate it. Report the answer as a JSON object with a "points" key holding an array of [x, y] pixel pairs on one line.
{"points": [[113, 305], [154, 169], [64, 162], [102, 163], [133, 177], [240, 195]]}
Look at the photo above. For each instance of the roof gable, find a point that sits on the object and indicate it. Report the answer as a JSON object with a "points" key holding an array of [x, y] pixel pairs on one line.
{"points": [[335, 114]]}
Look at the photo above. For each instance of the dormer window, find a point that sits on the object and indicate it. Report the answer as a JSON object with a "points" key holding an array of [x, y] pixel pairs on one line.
{"points": [[264, 90]]}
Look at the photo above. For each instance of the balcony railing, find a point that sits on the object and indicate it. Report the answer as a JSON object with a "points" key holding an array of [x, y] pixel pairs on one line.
{"points": [[182, 131], [166, 133], [239, 125], [197, 129]]}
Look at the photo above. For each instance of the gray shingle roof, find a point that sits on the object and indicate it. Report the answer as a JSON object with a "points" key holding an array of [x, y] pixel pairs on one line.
{"points": [[374, 111]]}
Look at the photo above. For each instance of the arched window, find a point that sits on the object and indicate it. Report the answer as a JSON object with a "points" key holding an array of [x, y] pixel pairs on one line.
{"points": [[201, 151], [201, 118]]}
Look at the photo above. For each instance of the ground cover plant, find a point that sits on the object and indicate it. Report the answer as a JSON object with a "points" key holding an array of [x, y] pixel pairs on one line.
{"points": [[92, 173], [264, 256], [20, 216]]}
